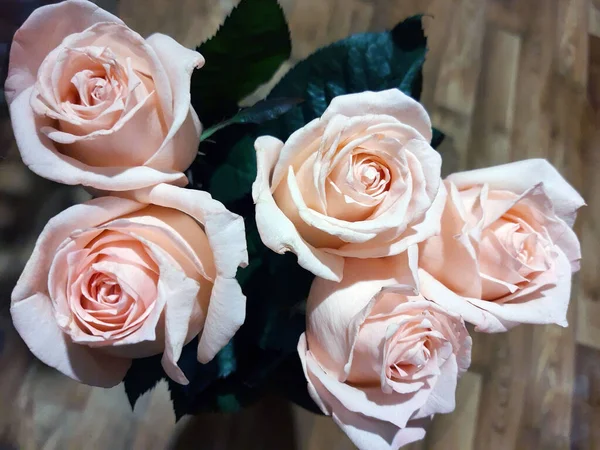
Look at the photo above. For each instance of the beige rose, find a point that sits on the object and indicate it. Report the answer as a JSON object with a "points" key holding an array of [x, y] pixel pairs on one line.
{"points": [[379, 357], [506, 250], [93, 103], [115, 279], [361, 181]]}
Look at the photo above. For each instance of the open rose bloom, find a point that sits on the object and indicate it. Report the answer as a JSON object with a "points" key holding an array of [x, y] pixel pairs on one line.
{"points": [[115, 279], [361, 181], [507, 250], [94, 103], [379, 357]]}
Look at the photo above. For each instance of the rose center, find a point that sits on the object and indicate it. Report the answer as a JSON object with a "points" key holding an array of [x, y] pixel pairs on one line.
{"points": [[372, 173], [102, 81]]}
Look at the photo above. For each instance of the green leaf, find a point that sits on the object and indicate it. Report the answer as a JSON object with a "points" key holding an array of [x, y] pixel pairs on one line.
{"points": [[362, 62], [142, 376], [261, 112], [233, 179], [438, 138], [244, 53]]}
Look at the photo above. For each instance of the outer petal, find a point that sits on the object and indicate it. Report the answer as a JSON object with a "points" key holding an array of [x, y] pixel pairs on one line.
{"points": [[43, 31], [180, 294], [33, 318], [365, 432], [371, 402], [40, 154], [276, 230], [225, 233], [304, 140], [392, 102], [545, 301], [34, 278], [521, 176], [436, 292], [335, 311], [181, 144], [454, 243]]}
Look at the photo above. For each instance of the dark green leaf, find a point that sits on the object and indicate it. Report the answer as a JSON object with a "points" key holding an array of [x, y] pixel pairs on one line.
{"points": [[362, 62], [261, 112], [438, 138], [142, 376], [233, 179], [244, 53]]}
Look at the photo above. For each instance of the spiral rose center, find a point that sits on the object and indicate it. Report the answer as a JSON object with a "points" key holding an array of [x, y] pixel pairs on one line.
{"points": [[372, 173], [114, 286], [411, 347], [98, 80]]}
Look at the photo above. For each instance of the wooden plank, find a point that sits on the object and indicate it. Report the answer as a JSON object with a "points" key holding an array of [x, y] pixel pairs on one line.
{"points": [[457, 430], [548, 400], [190, 23], [531, 130], [318, 432], [392, 12], [594, 20], [309, 27], [509, 15], [460, 67], [456, 85], [494, 110], [585, 430], [505, 383], [588, 317], [437, 25], [572, 37]]}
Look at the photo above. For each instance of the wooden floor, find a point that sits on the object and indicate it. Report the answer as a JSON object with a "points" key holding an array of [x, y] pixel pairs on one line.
{"points": [[505, 80]]}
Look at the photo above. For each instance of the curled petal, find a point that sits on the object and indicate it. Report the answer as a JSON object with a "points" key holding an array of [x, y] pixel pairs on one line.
{"points": [[276, 230], [227, 239], [33, 318], [392, 102], [28, 50], [521, 176], [40, 154]]}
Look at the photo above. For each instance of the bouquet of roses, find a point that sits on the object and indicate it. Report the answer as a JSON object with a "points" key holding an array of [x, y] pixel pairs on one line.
{"points": [[315, 251]]}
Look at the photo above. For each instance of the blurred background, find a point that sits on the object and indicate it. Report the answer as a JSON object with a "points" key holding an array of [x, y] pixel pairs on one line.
{"points": [[505, 80]]}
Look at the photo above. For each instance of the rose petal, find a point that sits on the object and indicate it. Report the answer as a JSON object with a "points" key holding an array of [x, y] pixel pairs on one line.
{"points": [[224, 229], [435, 291], [276, 230], [226, 314], [302, 143], [454, 243], [370, 402], [521, 176], [34, 277], [28, 50], [180, 146], [387, 244], [39, 153], [335, 311], [33, 318], [182, 293], [226, 235], [545, 301], [392, 102]]}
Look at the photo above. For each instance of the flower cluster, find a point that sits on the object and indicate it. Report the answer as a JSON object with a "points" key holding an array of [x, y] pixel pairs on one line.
{"points": [[405, 258], [402, 259]]}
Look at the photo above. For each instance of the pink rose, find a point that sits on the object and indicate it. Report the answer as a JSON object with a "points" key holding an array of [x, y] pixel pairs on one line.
{"points": [[506, 250], [114, 279], [379, 357], [93, 103], [361, 181]]}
